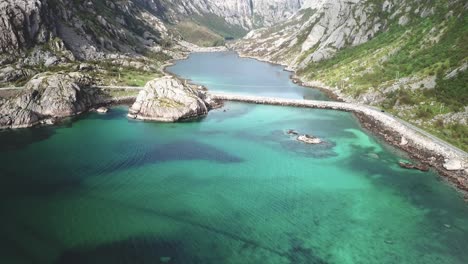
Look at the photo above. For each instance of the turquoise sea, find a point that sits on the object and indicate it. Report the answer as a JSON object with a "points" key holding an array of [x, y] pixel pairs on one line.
{"points": [[232, 187]]}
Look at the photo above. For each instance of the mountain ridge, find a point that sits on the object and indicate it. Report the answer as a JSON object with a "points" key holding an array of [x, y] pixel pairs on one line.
{"points": [[407, 57]]}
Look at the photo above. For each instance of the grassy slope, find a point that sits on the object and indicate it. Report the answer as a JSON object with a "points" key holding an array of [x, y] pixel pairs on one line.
{"points": [[412, 50], [208, 30], [198, 34]]}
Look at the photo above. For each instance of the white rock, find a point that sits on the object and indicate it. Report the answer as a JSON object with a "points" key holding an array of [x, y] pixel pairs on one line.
{"points": [[309, 140], [453, 165], [403, 141], [102, 110]]}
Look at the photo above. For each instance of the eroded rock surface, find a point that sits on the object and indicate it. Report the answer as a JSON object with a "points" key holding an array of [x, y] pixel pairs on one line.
{"points": [[168, 100], [47, 97], [24, 23]]}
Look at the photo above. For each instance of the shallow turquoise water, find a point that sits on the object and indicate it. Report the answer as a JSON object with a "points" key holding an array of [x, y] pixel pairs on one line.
{"points": [[226, 72], [230, 188]]}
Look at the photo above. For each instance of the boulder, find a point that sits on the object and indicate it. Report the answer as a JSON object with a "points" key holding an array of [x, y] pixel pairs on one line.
{"points": [[453, 165], [48, 96], [403, 141], [102, 110], [168, 100]]}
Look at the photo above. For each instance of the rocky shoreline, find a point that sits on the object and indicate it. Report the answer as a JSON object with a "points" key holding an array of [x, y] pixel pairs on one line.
{"points": [[458, 178], [50, 97], [37, 106], [420, 152]]}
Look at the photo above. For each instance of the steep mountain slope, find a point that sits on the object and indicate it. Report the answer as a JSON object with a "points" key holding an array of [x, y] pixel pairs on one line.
{"points": [[247, 14], [39, 35], [408, 57], [36, 35], [216, 20]]}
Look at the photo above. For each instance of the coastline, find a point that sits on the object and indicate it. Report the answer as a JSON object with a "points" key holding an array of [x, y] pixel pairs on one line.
{"points": [[419, 147], [435, 156], [54, 120]]}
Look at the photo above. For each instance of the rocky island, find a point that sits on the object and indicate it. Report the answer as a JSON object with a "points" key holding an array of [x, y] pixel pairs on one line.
{"points": [[168, 100]]}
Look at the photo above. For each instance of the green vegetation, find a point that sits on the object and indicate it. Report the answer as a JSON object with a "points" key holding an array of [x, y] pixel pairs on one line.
{"points": [[120, 76], [219, 26], [431, 46], [198, 34]]}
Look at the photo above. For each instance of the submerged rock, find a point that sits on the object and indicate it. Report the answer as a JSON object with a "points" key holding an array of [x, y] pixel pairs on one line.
{"points": [[309, 139], [168, 100], [407, 165], [48, 97]]}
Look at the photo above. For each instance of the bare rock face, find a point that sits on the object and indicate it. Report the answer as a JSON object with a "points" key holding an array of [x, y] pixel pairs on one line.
{"points": [[323, 27], [168, 100], [48, 96], [247, 14], [24, 23]]}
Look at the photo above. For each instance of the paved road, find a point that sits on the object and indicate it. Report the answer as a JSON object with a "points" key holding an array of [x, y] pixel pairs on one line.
{"points": [[373, 111], [423, 132]]}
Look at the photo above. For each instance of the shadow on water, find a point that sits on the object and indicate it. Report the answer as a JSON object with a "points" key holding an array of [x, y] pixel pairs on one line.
{"points": [[183, 150], [151, 250], [138, 250], [18, 185], [422, 189], [11, 140], [298, 253]]}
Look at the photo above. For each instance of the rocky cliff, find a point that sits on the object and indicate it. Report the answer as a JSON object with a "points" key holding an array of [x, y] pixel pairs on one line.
{"points": [[24, 23], [319, 30], [38, 34], [248, 14], [168, 99], [48, 97]]}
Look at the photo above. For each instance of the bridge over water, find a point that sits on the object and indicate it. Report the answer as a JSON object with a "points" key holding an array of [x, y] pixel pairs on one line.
{"points": [[417, 136], [413, 134]]}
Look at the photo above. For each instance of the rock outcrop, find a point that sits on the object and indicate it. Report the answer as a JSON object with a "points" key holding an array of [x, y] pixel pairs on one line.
{"points": [[168, 100], [24, 23], [323, 27], [316, 32], [48, 97], [309, 139]]}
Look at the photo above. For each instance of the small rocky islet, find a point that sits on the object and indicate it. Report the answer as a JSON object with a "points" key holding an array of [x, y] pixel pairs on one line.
{"points": [[168, 99]]}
